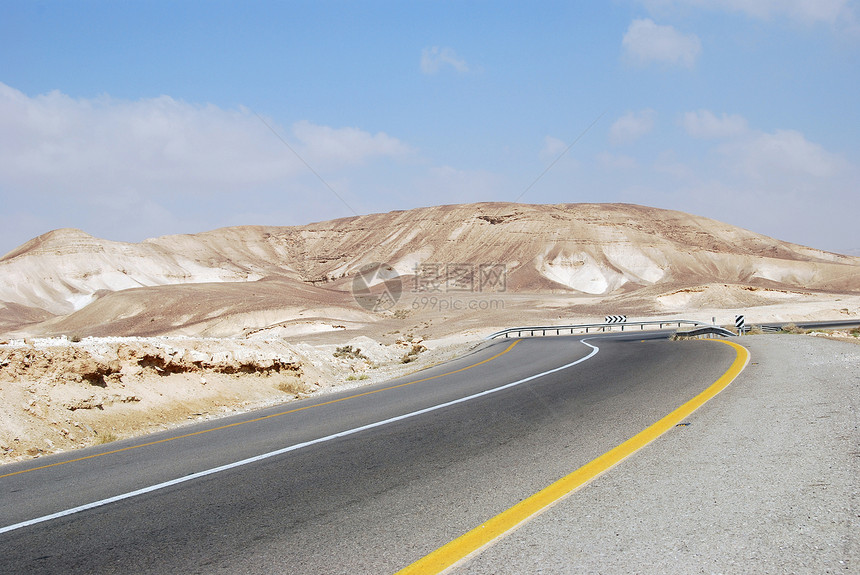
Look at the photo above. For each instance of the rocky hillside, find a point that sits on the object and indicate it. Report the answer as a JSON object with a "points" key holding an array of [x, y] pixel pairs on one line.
{"points": [[66, 279]]}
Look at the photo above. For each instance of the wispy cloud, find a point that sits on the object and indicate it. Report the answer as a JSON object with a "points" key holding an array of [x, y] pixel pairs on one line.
{"points": [[434, 58], [646, 42], [631, 126], [345, 146], [763, 156], [706, 125], [807, 11], [53, 144], [132, 169], [784, 153], [552, 147]]}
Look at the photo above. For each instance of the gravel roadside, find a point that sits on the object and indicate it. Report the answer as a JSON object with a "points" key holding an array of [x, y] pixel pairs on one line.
{"points": [[764, 479]]}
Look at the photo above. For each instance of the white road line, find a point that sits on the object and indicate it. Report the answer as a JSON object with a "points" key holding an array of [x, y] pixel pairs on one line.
{"points": [[183, 479]]}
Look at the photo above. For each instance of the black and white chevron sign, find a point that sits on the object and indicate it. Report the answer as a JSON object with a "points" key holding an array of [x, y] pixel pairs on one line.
{"points": [[739, 321], [615, 319]]}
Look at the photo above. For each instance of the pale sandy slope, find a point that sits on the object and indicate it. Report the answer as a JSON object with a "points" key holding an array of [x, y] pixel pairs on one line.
{"points": [[234, 281]]}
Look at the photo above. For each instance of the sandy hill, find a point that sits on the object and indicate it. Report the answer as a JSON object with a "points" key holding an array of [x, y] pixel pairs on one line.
{"points": [[237, 280]]}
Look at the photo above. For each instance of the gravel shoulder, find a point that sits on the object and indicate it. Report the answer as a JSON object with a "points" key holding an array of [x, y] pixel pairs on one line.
{"points": [[764, 479]]}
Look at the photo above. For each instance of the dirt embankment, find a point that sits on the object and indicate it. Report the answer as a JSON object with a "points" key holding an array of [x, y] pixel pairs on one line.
{"points": [[57, 395]]}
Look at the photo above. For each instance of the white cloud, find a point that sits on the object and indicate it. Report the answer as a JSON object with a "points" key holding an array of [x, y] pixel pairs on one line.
{"points": [[552, 148], [631, 126], [801, 10], [340, 146], [435, 58], [704, 124], [134, 169], [646, 42], [807, 11], [780, 182], [782, 154], [762, 155], [54, 144]]}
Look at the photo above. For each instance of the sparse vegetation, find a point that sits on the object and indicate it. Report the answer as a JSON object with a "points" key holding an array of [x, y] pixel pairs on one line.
{"points": [[359, 377], [413, 352], [855, 332], [291, 385], [792, 328], [106, 437], [348, 352], [401, 313], [75, 338]]}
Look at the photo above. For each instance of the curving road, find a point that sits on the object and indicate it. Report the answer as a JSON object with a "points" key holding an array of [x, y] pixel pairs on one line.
{"points": [[366, 481]]}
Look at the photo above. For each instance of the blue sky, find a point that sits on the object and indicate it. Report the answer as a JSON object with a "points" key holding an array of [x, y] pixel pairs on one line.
{"points": [[137, 119]]}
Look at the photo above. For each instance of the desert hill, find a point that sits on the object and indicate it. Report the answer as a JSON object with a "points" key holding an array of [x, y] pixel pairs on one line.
{"points": [[235, 281]]}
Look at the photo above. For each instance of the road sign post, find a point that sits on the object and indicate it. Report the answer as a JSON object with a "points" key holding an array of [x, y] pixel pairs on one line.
{"points": [[739, 323]]}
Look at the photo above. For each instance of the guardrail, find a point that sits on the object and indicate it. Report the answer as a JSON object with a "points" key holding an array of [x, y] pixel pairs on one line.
{"points": [[706, 330], [596, 327]]}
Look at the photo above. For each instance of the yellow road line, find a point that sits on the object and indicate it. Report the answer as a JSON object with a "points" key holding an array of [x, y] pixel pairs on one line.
{"points": [[475, 540], [229, 425]]}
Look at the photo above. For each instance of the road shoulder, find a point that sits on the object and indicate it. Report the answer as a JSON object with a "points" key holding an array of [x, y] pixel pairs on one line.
{"points": [[765, 478]]}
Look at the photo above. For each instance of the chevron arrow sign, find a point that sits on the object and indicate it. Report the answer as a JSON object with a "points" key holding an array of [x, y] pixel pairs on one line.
{"points": [[615, 319]]}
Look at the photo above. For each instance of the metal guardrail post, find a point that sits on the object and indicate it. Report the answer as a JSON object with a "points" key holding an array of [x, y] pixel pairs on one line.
{"points": [[545, 329]]}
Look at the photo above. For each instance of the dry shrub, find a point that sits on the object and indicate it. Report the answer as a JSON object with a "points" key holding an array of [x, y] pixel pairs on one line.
{"points": [[106, 437], [347, 352], [292, 385], [413, 352]]}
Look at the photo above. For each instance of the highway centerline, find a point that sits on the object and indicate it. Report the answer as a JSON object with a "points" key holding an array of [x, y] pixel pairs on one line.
{"points": [[128, 495], [474, 541]]}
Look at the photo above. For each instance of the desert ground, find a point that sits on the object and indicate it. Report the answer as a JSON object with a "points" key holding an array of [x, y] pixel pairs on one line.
{"points": [[101, 340]]}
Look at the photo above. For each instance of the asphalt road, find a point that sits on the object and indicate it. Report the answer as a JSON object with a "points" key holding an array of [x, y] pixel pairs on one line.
{"points": [[765, 479], [370, 501]]}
